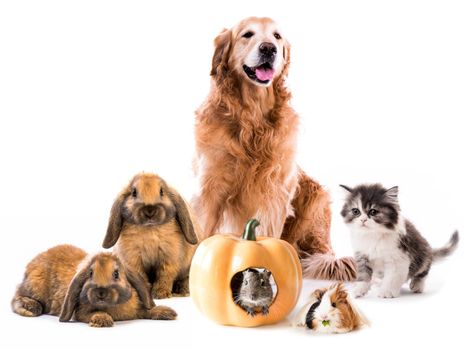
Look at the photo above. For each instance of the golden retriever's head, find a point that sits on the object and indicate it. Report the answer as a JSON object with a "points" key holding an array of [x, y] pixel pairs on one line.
{"points": [[255, 49]]}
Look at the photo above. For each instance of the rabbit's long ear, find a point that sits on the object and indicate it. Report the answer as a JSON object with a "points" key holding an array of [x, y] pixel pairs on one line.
{"points": [[183, 217], [115, 222], [72, 295], [137, 281]]}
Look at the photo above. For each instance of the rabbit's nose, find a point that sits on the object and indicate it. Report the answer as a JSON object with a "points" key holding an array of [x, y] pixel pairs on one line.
{"points": [[149, 211], [101, 293]]}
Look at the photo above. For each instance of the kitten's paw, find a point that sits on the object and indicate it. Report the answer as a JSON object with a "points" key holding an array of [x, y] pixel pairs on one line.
{"points": [[417, 285], [386, 293], [360, 289]]}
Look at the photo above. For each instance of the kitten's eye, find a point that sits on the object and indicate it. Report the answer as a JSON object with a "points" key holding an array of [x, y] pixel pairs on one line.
{"points": [[373, 212], [334, 304], [134, 193], [262, 283], [277, 36], [355, 211], [248, 35], [161, 192], [90, 273], [116, 274], [246, 283]]}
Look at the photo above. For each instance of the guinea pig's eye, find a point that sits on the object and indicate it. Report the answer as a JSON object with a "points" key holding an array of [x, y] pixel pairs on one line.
{"points": [[134, 193], [355, 211], [277, 36], [116, 274], [90, 273], [248, 35], [334, 304], [373, 212], [246, 283], [161, 192]]}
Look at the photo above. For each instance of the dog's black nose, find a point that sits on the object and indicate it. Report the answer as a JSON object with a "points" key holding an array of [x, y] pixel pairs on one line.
{"points": [[101, 293], [149, 211], [268, 49]]}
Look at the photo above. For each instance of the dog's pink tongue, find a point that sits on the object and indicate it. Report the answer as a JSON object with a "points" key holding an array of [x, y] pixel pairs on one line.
{"points": [[264, 74]]}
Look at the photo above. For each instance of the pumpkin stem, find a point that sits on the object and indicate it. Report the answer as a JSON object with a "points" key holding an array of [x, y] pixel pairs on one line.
{"points": [[249, 233]]}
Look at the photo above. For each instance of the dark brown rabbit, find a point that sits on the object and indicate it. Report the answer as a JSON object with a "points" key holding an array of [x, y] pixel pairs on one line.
{"points": [[97, 290], [154, 233]]}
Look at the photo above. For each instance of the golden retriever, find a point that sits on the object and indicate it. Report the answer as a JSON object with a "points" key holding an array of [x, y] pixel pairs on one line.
{"points": [[245, 151]]}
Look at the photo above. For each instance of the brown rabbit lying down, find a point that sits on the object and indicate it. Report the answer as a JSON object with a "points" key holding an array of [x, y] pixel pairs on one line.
{"points": [[154, 234], [97, 289]]}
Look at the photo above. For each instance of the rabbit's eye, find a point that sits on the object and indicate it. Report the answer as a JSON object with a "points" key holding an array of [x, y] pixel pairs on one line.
{"points": [[161, 192], [134, 193], [91, 273], [116, 274]]}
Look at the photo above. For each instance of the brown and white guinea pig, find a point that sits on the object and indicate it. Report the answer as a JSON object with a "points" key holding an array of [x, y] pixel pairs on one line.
{"points": [[97, 289], [331, 310], [154, 233]]}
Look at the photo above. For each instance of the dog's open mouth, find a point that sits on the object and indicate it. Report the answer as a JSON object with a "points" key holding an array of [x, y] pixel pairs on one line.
{"points": [[262, 74]]}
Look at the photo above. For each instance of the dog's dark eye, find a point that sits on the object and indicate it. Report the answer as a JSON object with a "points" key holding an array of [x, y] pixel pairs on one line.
{"points": [[277, 36], [334, 305], [134, 193], [116, 274], [90, 273], [355, 211], [248, 35], [161, 192], [373, 212]]}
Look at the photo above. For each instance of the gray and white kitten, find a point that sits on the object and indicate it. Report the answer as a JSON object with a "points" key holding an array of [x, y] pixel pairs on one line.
{"points": [[385, 243]]}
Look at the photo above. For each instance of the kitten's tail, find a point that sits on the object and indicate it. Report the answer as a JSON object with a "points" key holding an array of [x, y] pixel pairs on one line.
{"points": [[448, 249], [328, 267]]}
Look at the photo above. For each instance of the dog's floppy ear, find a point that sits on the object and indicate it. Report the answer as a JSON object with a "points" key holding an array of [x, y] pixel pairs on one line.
{"points": [[221, 51], [183, 217], [115, 222], [136, 280], [72, 295]]}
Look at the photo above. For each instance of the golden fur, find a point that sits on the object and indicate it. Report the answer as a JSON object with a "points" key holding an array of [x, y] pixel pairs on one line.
{"points": [[246, 145], [160, 250], [65, 281]]}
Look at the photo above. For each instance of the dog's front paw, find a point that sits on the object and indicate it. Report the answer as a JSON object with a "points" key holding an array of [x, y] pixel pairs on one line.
{"points": [[161, 293], [101, 320]]}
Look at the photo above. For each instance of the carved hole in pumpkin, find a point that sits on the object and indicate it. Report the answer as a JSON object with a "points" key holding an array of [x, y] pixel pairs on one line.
{"points": [[254, 290]]}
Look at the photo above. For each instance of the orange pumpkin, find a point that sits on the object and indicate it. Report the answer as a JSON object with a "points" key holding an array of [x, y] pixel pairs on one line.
{"points": [[218, 258]]}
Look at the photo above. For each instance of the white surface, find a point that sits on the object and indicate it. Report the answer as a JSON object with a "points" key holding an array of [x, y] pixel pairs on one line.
{"points": [[92, 92]]}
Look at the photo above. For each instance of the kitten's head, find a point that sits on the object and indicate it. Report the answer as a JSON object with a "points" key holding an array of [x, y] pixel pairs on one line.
{"points": [[371, 207]]}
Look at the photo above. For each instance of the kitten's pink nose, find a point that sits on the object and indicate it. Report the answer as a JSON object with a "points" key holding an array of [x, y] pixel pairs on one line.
{"points": [[363, 220], [324, 317]]}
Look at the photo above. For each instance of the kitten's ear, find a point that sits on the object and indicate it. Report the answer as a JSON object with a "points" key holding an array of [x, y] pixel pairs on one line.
{"points": [[392, 193], [346, 188]]}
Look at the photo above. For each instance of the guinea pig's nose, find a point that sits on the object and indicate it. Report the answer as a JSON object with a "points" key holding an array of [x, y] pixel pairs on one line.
{"points": [[268, 49], [149, 211], [101, 293]]}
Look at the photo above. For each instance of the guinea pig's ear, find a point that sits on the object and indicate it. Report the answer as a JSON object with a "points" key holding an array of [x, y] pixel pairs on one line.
{"points": [[222, 45], [115, 222], [72, 295], [136, 280], [183, 217]]}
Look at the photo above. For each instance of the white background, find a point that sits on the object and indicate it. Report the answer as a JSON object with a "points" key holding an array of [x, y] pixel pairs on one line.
{"points": [[92, 92]]}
